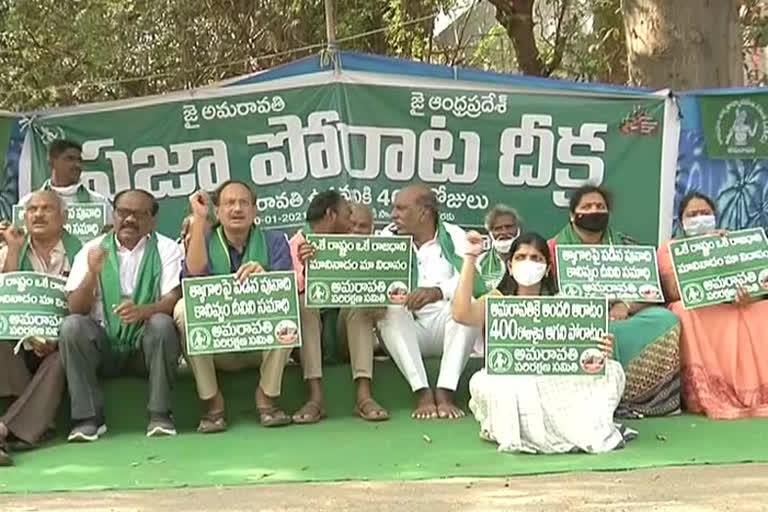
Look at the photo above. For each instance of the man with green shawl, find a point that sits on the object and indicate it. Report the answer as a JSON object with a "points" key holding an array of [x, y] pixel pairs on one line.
{"points": [[647, 336], [34, 377], [424, 326], [121, 292], [66, 163], [234, 246]]}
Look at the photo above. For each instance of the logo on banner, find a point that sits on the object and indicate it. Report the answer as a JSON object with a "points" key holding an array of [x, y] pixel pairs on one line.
{"points": [[741, 126], [639, 122]]}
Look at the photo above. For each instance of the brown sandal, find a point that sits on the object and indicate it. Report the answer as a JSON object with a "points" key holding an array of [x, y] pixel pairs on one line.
{"points": [[272, 417], [370, 410], [212, 423], [310, 412]]}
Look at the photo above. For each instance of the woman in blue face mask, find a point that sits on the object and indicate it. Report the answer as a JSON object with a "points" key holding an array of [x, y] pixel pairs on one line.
{"points": [[724, 348], [647, 337], [537, 414]]}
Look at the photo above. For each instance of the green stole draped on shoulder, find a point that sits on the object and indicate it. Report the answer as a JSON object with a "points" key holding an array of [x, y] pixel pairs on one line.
{"points": [[448, 251], [71, 247], [83, 195], [492, 268], [218, 251], [124, 338]]}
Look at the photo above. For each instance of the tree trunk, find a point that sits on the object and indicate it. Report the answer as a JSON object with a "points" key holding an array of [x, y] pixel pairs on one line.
{"points": [[516, 16], [683, 44]]}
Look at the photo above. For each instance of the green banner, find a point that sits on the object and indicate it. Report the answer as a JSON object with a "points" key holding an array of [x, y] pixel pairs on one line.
{"points": [[223, 315], [31, 304], [710, 268], [545, 335], [735, 126], [627, 272], [84, 220], [359, 271], [474, 147]]}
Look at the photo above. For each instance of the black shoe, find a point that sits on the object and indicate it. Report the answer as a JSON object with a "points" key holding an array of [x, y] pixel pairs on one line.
{"points": [[5, 457]]}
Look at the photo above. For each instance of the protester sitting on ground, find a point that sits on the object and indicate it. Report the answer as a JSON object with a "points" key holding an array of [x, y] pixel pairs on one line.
{"points": [[359, 325], [66, 163], [647, 337], [235, 246], [121, 291], [423, 327], [724, 347], [34, 377], [503, 226], [329, 214], [537, 414]]}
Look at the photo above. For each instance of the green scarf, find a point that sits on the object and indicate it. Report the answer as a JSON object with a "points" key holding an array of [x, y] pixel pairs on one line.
{"points": [[71, 247], [83, 195], [218, 251], [449, 253], [568, 236], [125, 338], [492, 268]]}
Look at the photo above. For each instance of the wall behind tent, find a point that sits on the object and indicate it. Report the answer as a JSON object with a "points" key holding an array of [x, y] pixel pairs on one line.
{"points": [[475, 148], [739, 187]]}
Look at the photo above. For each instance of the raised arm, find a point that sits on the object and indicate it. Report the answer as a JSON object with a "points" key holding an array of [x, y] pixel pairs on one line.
{"points": [[464, 309], [197, 253], [84, 279]]}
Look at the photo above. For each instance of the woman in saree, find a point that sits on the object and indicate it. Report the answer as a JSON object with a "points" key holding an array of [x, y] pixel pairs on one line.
{"points": [[647, 337], [723, 348], [538, 414]]}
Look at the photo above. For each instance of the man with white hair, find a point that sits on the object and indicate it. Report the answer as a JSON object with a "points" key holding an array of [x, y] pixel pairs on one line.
{"points": [[36, 377], [503, 226]]}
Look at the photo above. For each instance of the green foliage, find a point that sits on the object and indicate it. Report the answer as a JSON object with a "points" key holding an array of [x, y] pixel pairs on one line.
{"points": [[56, 53]]}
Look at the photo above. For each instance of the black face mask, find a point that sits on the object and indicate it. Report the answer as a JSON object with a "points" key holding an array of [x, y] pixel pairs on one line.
{"points": [[594, 222]]}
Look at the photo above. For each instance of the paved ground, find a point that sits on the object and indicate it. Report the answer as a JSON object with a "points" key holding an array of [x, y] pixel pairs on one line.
{"points": [[690, 489]]}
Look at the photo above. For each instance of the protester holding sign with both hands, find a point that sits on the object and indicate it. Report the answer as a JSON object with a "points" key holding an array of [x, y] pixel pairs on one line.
{"points": [[723, 347], [538, 414]]}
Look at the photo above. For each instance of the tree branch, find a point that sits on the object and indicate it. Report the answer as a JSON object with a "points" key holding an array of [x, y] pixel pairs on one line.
{"points": [[557, 55], [516, 16]]}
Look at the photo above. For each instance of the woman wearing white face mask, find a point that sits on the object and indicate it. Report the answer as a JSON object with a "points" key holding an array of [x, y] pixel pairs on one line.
{"points": [[723, 348], [538, 414]]}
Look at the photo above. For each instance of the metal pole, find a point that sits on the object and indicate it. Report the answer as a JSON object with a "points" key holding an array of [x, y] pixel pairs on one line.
{"points": [[330, 23]]}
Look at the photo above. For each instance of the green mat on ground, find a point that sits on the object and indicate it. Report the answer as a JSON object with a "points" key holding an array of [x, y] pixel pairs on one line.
{"points": [[342, 447]]}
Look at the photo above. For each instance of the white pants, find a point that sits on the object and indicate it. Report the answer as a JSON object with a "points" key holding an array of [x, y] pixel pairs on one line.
{"points": [[430, 332]]}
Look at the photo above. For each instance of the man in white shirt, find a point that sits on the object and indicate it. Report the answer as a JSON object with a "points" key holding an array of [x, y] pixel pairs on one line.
{"points": [[121, 292], [424, 326], [66, 163], [35, 377]]}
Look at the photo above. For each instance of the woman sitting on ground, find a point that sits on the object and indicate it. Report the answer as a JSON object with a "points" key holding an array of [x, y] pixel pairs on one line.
{"points": [[647, 337], [538, 414], [724, 348]]}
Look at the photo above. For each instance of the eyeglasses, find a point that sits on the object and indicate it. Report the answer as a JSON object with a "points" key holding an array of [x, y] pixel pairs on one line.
{"points": [[124, 213]]}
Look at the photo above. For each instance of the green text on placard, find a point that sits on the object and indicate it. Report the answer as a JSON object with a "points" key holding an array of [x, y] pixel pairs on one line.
{"points": [[31, 304], [223, 315], [545, 335], [84, 220], [709, 269], [359, 271], [626, 272]]}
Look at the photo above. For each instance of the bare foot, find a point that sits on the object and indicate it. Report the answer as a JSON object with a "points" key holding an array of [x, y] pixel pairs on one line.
{"points": [[446, 409], [425, 405]]}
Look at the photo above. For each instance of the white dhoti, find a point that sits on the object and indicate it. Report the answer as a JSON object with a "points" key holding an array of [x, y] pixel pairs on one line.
{"points": [[429, 332]]}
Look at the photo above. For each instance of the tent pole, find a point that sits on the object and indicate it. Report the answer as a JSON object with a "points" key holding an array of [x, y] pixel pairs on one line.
{"points": [[330, 24]]}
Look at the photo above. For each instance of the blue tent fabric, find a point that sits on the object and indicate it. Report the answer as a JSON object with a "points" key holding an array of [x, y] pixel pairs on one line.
{"points": [[350, 61], [739, 187]]}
